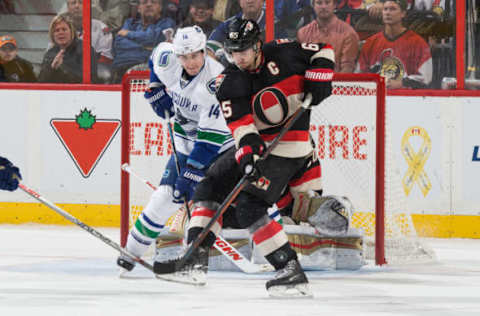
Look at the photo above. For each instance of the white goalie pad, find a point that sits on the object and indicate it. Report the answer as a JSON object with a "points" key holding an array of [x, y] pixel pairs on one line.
{"points": [[319, 252], [324, 239], [314, 251]]}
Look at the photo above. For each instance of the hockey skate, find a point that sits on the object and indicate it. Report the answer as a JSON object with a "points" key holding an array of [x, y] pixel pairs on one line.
{"points": [[290, 281], [126, 265], [193, 271]]}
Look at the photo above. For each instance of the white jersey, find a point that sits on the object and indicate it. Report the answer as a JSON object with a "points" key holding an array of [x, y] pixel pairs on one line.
{"points": [[200, 129]]}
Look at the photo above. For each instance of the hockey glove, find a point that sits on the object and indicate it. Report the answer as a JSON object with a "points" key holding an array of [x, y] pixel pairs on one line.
{"points": [[160, 101], [318, 82], [9, 175], [251, 149], [185, 185]]}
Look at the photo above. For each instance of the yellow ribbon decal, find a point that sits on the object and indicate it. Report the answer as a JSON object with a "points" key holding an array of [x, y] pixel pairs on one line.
{"points": [[416, 161]]}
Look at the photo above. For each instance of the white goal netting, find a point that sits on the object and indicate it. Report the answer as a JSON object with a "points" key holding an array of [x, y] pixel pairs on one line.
{"points": [[350, 130]]}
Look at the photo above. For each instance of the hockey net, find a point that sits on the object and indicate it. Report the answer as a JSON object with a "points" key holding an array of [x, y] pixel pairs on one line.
{"points": [[356, 153]]}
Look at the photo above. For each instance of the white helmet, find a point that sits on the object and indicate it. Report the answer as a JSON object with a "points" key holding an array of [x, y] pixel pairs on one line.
{"points": [[188, 40]]}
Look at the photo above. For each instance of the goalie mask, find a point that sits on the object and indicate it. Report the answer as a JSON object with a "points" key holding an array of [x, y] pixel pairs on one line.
{"points": [[188, 40], [331, 214]]}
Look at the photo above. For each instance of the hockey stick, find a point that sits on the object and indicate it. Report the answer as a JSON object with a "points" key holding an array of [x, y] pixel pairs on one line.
{"points": [[223, 246], [89, 229], [175, 156], [172, 266]]}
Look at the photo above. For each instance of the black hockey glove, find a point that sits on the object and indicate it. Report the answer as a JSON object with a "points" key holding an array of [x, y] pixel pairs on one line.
{"points": [[318, 82], [251, 149], [159, 100], [9, 175]]}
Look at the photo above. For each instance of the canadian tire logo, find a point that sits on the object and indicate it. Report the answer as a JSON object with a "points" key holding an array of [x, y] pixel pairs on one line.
{"points": [[85, 138]]}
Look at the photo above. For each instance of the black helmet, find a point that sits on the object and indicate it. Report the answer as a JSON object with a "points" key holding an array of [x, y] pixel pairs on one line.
{"points": [[241, 34]]}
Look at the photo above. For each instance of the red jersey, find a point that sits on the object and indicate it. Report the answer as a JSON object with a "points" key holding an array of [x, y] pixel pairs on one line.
{"points": [[406, 55]]}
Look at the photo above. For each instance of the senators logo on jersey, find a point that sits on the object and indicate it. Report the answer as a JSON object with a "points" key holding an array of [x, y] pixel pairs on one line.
{"points": [[219, 81], [271, 106]]}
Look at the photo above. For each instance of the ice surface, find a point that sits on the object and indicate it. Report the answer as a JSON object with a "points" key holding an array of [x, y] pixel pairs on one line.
{"points": [[54, 270]]}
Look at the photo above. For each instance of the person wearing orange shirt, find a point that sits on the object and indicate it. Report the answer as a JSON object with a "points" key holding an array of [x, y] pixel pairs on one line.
{"points": [[327, 28]]}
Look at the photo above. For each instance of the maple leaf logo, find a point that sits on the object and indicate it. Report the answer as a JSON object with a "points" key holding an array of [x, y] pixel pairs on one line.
{"points": [[85, 119]]}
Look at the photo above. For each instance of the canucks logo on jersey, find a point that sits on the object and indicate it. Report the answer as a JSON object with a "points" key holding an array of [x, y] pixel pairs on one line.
{"points": [[211, 85]]}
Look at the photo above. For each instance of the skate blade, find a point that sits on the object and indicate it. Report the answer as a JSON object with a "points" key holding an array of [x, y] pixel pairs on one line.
{"points": [[193, 278], [290, 291]]}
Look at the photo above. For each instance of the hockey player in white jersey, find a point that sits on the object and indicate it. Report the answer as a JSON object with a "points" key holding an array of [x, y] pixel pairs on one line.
{"points": [[182, 83]]}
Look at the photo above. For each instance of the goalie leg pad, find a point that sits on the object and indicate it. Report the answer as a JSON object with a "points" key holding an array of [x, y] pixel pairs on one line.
{"points": [[179, 220]]}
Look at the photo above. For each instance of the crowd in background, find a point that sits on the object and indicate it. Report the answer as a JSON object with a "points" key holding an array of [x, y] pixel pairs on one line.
{"points": [[408, 41]]}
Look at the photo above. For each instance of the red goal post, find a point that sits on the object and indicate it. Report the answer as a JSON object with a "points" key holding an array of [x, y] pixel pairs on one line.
{"points": [[338, 126]]}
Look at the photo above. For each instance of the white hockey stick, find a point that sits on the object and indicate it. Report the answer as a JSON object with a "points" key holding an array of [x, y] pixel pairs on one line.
{"points": [[89, 229], [223, 246]]}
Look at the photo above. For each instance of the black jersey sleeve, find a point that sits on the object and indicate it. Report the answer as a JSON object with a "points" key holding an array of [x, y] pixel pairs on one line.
{"points": [[319, 72]]}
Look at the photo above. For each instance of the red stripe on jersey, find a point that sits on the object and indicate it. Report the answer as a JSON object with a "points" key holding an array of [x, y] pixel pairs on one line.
{"points": [[203, 211], [285, 200], [327, 46], [291, 85], [290, 136], [266, 232], [311, 174], [243, 121], [206, 212]]}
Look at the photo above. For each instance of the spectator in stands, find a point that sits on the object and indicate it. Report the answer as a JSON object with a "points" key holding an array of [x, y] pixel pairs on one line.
{"points": [[374, 8], [327, 28], [200, 13], [251, 9], [435, 6], [364, 16], [101, 38], [63, 62], [399, 54], [112, 12], [6, 7], [15, 69], [134, 43], [293, 14], [223, 9]]}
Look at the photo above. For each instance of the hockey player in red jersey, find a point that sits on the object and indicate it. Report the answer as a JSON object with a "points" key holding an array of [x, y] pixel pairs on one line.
{"points": [[263, 87], [399, 54]]}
